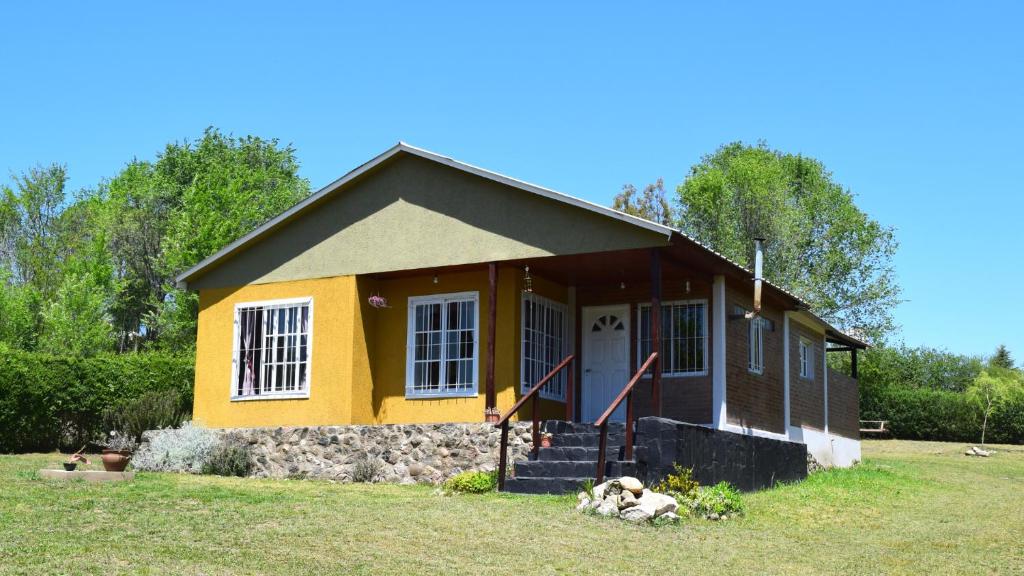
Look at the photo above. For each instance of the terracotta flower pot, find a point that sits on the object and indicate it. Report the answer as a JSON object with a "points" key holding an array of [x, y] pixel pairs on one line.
{"points": [[115, 460], [545, 442]]}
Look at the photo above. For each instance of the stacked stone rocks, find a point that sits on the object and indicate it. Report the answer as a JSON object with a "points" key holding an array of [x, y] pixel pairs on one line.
{"points": [[627, 499], [401, 453]]}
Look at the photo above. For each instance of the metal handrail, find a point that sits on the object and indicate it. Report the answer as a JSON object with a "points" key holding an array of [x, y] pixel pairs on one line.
{"points": [[602, 422], [534, 396]]}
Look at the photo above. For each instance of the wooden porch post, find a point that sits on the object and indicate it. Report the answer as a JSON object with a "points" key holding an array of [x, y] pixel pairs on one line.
{"points": [[656, 329], [491, 410], [853, 362]]}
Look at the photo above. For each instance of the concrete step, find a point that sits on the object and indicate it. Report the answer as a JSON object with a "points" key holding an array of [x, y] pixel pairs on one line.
{"points": [[563, 427], [545, 485], [580, 453], [587, 439], [572, 469]]}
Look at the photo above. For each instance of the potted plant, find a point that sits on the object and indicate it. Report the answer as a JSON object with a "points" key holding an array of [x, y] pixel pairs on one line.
{"points": [[118, 450], [545, 440], [74, 459]]}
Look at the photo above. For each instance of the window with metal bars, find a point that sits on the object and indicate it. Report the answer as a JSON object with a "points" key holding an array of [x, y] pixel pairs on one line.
{"points": [[756, 334], [272, 347], [684, 337], [442, 345], [544, 344]]}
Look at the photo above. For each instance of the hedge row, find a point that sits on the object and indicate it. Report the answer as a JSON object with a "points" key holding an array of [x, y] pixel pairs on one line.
{"points": [[49, 402], [924, 414]]}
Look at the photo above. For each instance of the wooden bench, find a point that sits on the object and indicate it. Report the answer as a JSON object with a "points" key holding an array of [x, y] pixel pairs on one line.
{"points": [[874, 427]]}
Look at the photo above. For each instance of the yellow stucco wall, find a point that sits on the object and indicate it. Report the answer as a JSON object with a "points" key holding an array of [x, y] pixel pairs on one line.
{"points": [[359, 352], [331, 370]]}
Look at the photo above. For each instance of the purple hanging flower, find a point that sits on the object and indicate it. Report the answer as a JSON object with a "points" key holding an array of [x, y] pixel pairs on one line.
{"points": [[378, 301]]}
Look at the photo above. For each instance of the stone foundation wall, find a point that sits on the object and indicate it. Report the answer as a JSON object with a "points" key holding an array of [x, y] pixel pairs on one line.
{"points": [[403, 453]]}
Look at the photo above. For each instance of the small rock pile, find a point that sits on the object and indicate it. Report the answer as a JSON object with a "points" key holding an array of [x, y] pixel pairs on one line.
{"points": [[975, 451], [627, 499]]}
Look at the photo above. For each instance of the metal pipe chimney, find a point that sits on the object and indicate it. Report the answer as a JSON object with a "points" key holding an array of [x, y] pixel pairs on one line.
{"points": [[758, 276]]}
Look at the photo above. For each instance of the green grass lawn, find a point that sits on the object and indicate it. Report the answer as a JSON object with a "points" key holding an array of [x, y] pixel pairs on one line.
{"points": [[912, 507]]}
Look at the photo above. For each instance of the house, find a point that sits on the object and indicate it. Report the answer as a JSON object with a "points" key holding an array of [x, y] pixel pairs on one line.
{"points": [[419, 289]]}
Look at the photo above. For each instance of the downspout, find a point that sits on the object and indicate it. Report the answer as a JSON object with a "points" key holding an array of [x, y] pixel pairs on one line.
{"points": [[758, 277]]}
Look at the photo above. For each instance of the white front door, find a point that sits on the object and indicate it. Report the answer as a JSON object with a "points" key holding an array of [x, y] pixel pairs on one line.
{"points": [[605, 359]]}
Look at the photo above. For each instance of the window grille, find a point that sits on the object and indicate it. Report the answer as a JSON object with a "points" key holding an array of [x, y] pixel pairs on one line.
{"points": [[756, 332], [684, 333], [544, 344], [272, 349], [442, 346]]}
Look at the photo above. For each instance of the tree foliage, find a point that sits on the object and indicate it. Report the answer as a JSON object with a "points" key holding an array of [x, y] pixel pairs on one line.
{"points": [[819, 244], [1002, 358], [95, 272], [650, 203]]}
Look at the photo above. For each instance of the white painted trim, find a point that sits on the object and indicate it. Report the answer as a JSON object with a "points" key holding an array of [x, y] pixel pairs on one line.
{"points": [[402, 147], [824, 377], [786, 407], [704, 328], [754, 432], [279, 303], [718, 408], [410, 335]]}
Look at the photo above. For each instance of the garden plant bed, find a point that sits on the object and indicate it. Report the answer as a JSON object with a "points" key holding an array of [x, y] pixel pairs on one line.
{"points": [[911, 508]]}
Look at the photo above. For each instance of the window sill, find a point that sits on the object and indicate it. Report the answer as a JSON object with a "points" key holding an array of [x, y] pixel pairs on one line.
{"points": [[756, 372], [441, 396], [677, 375], [296, 396]]}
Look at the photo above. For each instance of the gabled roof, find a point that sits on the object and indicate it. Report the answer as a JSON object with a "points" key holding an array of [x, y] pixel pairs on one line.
{"points": [[403, 148]]}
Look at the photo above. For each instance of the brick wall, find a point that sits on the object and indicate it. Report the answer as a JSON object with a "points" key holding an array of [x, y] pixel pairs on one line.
{"points": [[806, 396], [843, 405], [753, 400]]}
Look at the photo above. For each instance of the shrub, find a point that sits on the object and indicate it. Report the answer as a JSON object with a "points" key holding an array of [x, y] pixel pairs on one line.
{"points": [[49, 402], [923, 414], [152, 410], [472, 483], [717, 501], [367, 469], [186, 449], [229, 458], [680, 485]]}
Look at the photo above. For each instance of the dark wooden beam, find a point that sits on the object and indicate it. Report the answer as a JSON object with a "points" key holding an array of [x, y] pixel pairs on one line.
{"points": [[853, 362], [656, 329], [492, 330]]}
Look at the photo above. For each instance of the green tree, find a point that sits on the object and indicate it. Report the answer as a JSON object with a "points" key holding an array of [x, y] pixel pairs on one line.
{"points": [[989, 390], [163, 217], [19, 313], [29, 214], [650, 204], [820, 245], [1002, 358]]}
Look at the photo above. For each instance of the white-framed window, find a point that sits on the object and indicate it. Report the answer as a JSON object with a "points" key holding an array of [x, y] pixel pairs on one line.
{"points": [[756, 335], [545, 333], [273, 343], [684, 337], [442, 353], [806, 358]]}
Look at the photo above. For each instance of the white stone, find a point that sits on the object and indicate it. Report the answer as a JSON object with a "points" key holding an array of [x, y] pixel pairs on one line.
{"points": [[636, 514], [600, 489], [627, 500], [608, 508], [669, 517], [632, 484], [583, 505], [658, 504]]}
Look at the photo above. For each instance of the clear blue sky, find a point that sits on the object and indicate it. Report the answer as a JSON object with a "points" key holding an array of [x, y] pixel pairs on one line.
{"points": [[917, 108]]}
